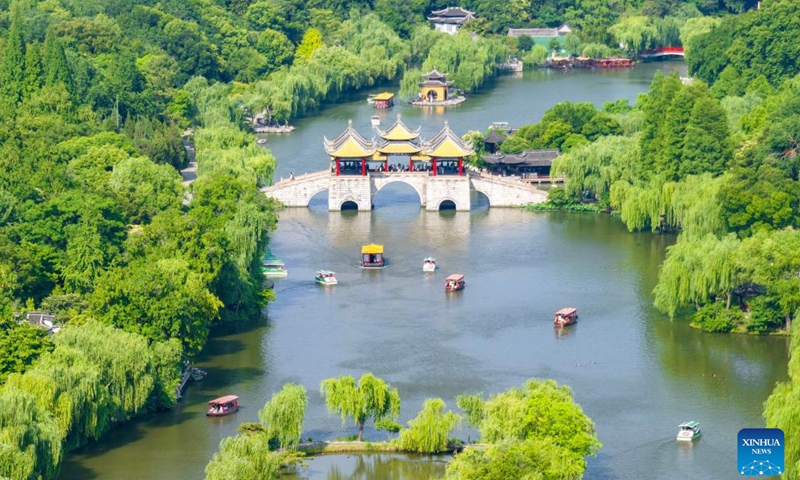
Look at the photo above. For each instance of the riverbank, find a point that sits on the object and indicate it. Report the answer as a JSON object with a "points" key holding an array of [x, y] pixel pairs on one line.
{"points": [[337, 446]]}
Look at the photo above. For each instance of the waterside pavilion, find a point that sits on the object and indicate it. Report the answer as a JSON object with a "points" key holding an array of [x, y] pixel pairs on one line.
{"points": [[434, 87]]}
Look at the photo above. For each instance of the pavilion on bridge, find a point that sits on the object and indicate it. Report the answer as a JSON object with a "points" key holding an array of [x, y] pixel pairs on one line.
{"points": [[447, 151], [397, 140], [443, 154], [350, 151]]}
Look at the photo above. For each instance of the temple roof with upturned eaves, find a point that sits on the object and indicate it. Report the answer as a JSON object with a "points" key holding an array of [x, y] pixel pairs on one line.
{"points": [[447, 144], [399, 132], [350, 144], [455, 15]]}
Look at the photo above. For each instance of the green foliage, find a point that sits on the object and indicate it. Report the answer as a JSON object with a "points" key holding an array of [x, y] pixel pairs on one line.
{"points": [[312, 41], [514, 144], [715, 318], [539, 410], [370, 398], [759, 42], [636, 33], [21, 346], [783, 405], [472, 406], [536, 431], [429, 430], [537, 459], [283, 415], [244, 457]]}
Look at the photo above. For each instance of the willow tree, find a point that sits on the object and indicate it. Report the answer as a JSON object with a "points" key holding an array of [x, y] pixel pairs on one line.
{"points": [[698, 270], [29, 435], [472, 405], [244, 457], [283, 415], [429, 431], [782, 409], [595, 167], [370, 398], [635, 33], [529, 459], [540, 410]]}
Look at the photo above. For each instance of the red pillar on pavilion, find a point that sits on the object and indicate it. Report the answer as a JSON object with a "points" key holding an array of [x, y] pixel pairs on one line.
{"points": [[460, 167], [338, 167], [386, 165], [364, 167], [434, 166], [410, 164]]}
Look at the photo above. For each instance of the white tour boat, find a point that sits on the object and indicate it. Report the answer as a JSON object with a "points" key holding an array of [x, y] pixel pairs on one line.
{"points": [[429, 265], [688, 431]]}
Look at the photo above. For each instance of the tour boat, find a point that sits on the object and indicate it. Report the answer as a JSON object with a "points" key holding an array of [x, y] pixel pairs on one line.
{"points": [[688, 431], [454, 282], [325, 277], [372, 256], [222, 406], [272, 267], [371, 98], [566, 316], [376, 120], [429, 265]]}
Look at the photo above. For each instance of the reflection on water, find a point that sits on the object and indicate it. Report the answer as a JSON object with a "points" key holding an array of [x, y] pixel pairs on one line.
{"points": [[372, 467]]}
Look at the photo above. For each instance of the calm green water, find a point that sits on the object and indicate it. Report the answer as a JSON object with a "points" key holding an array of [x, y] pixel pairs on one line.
{"points": [[635, 373]]}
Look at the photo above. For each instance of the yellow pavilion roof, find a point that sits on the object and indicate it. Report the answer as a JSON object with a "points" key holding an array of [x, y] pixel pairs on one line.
{"points": [[372, 248], [447, 144], [350, 144], [384, 96], [399, 131], [398, 148]]}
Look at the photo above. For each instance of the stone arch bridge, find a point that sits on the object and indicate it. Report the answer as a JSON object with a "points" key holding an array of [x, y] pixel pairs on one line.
{"points": [[433, 191]]}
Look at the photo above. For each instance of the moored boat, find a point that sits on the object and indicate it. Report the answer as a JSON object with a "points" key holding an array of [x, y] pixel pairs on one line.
{"points": [[371, 98], [219, 407], [272, 267], [375, 120], [565, 316], [326, 277], [688, 431], [429, 265], [372, 256], [454, 282]]}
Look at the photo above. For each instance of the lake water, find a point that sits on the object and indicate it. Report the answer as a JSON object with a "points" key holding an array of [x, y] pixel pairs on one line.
{"points": [[635, 373]]}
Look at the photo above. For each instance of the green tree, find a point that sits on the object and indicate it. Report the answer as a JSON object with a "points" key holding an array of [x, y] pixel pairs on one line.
{"points": [[244, 457], [276, 47], [312, 41], [21, 345], [706, 147], [537, 459], [283, 415], [12, 63], [635, 33], [472, 405], [371, 398], [429, 431], [537, 411]]}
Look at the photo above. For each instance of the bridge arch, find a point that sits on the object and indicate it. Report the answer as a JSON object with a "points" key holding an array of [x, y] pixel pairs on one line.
{"points": [[349, 205], [414, 185], [484, 193], [448, 203]]}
